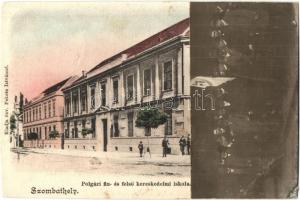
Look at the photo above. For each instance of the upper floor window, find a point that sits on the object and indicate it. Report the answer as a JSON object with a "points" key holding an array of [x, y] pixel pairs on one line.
{"points": [[83, 98], [53, 107], [92, 97], [67, 105], [147, 82], [75, 101], [103, 94], [33, 114], [49, 109], [40, 112], [36, 113], [167, 75], [116, 91], [130, 87], [45, 110]]}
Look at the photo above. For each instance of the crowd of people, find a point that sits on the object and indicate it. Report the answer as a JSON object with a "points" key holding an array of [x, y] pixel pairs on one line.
{"points": [[184, 144]]}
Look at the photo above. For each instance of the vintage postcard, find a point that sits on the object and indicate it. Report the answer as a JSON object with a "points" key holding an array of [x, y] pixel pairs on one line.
{"points": [[149, 100]]}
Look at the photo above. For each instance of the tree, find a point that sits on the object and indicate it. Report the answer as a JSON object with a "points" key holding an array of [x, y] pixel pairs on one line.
{"points": [[53, 134], [32, 136], [21, 102], [13, 125], [86, 131], [150, 118]]}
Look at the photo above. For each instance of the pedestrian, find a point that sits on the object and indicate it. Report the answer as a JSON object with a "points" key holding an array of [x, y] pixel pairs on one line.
{"points": [[165, 144], [188, 144], [182, 144], [141, 148]]}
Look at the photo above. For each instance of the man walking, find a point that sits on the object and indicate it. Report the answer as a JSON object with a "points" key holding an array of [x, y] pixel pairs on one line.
{"points": [[141, 148], [165, 143], [188, 144], [182, 143]]}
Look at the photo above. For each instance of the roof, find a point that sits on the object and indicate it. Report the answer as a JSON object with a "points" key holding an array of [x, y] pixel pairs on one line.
{"points": [[180, 28], [55, 87], [52, 89]]}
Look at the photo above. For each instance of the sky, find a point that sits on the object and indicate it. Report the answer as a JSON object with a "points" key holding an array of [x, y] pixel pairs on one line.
{"points": [[48, 42]]}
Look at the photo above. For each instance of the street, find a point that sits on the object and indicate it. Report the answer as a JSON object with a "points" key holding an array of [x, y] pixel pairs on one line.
{"points": [[91, 173], [101, 162]]}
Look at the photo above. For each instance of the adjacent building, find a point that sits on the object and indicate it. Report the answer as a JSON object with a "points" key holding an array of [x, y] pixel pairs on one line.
{"points": [[43, 115], [102, 105]]}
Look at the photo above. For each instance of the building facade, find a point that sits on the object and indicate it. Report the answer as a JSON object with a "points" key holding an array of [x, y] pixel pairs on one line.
{"points": [[102, 105], [43, 115]]}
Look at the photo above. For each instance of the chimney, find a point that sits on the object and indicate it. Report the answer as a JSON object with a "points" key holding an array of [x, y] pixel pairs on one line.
{"points": [[83, 73]]}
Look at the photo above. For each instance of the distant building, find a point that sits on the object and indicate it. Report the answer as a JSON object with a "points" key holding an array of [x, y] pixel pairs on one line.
{"points": [[17, 137], [44, 114], [104, 101]]}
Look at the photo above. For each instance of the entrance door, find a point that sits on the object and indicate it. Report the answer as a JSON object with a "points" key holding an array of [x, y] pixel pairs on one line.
{"points": [[104, 122]]}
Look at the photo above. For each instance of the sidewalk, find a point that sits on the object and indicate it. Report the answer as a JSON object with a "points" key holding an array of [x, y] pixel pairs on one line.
{"points": [[117, 157]]}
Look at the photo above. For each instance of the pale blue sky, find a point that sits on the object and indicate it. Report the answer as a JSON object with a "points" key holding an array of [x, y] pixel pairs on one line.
{"points": [[50, 41]]}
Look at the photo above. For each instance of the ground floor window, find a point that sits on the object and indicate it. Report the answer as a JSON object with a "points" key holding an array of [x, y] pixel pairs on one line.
{"points": [[130, 124], [116, 132], [46, 133], [75, 130], [168, 124], [94, 128], [67, 131]]}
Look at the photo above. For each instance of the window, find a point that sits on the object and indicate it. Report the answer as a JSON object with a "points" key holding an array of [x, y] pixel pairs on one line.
{"points": [[83, 98], [40, 112], [30, 115], [168, 124], [75, 130], [116, 91], [147, 82], [83, 123], [67, 133], [103, 94], [130, 124], [45, 110], [40, 133], [92, 98], [49, 109], [68, 105], [167, 75], [73, 133], [94, 128], [46, 137], [36, 113], [33, 114], [130, 87], [53, 108], [54, 128], [75, 101], [116, 126]]}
